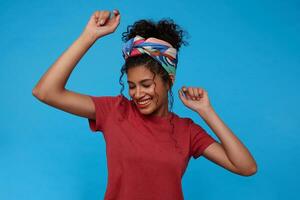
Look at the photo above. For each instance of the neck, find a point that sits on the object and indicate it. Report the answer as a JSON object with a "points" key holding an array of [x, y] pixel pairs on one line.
{"points": [[163, 111]]}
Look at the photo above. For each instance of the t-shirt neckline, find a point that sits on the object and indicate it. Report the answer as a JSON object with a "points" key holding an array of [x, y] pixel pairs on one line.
{"points": [[153, 118]]}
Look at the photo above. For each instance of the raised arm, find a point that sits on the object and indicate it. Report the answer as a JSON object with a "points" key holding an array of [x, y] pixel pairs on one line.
{"points": [[231, 153], [51, 87]]}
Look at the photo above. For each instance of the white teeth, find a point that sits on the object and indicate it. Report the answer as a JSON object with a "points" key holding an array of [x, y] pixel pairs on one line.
{"points": [[144, 102]]}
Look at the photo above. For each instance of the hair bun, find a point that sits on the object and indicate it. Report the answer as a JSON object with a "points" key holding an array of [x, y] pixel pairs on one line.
{"points": [[165, 29]]}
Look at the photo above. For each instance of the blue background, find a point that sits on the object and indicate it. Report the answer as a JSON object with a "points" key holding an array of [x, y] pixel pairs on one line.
{"points": [[244, 53]]}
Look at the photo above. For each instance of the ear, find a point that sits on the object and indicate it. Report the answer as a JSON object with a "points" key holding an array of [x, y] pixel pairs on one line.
{"points": [[172, 77]]}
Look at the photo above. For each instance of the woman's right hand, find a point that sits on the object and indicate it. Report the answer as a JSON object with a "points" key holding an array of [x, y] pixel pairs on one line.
{"points": [[101, 23]]}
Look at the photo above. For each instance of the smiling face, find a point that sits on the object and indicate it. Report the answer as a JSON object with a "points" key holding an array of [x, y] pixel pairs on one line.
{"points": [[150, 96]]}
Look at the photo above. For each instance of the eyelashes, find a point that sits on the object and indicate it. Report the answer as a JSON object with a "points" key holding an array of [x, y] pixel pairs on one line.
{"points": [[146, 86]]}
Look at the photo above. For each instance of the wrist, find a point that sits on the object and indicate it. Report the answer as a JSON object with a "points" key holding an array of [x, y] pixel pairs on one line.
{"points": [[205, 110], [88, 37]]}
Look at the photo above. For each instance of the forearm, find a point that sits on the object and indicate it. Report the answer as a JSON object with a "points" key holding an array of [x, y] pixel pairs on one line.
{"points": [[55, 79], [235, 150]]}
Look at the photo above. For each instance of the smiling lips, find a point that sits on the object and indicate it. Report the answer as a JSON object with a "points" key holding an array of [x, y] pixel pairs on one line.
{"points": [[144, 103]]}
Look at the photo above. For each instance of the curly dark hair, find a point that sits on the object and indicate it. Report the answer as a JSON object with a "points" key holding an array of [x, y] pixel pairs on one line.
{"points": [[165, 29]]}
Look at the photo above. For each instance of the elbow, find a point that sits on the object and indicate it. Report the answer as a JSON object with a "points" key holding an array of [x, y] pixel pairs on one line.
{"points": [[36, 93], [250, 172]]}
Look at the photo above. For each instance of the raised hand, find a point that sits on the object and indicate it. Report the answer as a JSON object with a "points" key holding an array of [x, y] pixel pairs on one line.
{"points": [[101, 23], [194, 98]]}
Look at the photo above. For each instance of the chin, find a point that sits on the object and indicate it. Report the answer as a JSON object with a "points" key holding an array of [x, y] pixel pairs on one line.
{"points": [[146, 111]]}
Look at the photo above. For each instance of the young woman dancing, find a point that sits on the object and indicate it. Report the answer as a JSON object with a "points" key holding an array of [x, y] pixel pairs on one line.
{"points": [[148, 147]]}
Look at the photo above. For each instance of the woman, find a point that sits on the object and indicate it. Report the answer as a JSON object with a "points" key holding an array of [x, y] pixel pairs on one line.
{"points": [[148, 147]]}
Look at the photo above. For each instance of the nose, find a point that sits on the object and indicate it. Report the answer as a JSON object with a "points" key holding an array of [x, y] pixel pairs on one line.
{"points": [[138, 93]]}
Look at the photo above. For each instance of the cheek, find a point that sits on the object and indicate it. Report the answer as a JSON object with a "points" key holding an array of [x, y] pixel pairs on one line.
{"points": [[149, 91], [130, 92]]}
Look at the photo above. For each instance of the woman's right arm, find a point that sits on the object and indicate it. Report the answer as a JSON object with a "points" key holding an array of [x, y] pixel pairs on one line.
{"points": [[51, 87]]}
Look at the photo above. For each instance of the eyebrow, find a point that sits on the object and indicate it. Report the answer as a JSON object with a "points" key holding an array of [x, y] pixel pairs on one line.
{"points": [[142, 81]]}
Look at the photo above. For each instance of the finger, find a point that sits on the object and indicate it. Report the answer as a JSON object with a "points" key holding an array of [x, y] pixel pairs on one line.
{"points": [[99, 17], [202, 92], [115, 18], [95, 16], [104, 16], [191, 93], [185, 91], [181, 95], [116, 12], [196, 93]]}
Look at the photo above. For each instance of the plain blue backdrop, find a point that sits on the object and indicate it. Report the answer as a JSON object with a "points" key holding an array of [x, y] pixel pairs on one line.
{"points": [[244, 53]]}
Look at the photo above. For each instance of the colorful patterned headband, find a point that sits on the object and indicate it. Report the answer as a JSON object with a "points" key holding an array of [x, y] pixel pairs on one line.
{"points": [[160, 50]]}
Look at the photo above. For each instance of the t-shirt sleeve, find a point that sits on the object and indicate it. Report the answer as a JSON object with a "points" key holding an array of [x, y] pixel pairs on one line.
{"points": [[104, 105], [200, 140]]}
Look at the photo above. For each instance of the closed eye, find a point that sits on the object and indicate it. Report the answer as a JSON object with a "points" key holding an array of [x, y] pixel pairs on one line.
{"points": [[146, 86]]}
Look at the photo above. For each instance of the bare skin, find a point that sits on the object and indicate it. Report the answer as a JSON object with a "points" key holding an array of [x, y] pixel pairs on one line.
{"points": [[230, 154], [143, 87], [51, 87]]}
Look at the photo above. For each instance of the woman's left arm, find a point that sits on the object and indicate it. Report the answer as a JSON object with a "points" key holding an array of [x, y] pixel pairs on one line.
{"points": [[230, 153], [231, 148]]}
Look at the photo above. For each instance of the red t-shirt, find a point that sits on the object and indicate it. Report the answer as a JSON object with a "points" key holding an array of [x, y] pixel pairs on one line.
{"points": [[145, 160]]}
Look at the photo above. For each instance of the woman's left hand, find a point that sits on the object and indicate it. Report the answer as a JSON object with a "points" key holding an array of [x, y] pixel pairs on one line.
{"points": [[194, 98]]}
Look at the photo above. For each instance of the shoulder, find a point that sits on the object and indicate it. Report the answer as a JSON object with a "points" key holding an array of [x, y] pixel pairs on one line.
{"points": [[120, 102], [113, 99], [109, 102], [189, 124], [184, 121]]}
